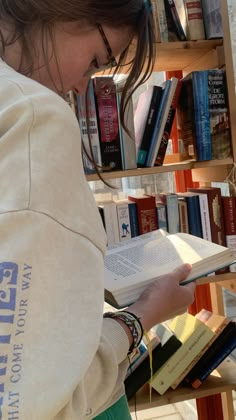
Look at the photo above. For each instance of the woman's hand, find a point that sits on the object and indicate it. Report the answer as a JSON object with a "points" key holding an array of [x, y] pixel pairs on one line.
{"points": [[164, 298]]}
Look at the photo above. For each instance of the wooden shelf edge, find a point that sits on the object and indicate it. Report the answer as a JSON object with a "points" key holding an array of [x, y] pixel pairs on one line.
{"points": [[179, 166], [221, 380]]}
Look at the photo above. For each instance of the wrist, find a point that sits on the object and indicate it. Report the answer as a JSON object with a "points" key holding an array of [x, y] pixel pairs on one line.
{"points": [[128, 321]]}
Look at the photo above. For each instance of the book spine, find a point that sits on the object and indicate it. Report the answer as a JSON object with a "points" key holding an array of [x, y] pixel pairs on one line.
{"points": [[149, 127], [160, 14], [215, 213], [133, 216], [158, 121], [229, 215], [202, 114], [212, 19], [157, 29], [176, 20], [219, 115], [172, 211], [200, 354], [111, 223], [213, 351], [146, 209], [161, 216], [108, 122], [194, 217], [205, 218], [186, 112], [220, 356], [195, 20], [183, 215], [93, 129], [159, 128], [168, 126], [128, 148], [123, 221], [175, 365]]}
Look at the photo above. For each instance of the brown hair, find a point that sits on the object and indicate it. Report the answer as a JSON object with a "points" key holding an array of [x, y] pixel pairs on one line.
{"points": [[24, 16]]}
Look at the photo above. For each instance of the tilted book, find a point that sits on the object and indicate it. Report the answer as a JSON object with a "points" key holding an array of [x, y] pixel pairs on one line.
{"points": [[217, 323], [130, 267], [194, 335], [217, 352], [141, 374]]}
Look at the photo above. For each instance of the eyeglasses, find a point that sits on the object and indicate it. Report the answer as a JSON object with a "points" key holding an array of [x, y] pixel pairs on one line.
{"points": [[112, 60]]}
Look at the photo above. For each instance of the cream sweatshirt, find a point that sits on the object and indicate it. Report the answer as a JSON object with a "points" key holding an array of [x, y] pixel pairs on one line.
{"points": [[59, 360]]}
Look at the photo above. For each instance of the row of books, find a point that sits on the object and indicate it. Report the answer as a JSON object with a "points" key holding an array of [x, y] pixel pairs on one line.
{"points": [[182, 20], [112, 147], [185, 350], [201, 102], [203, 212]]}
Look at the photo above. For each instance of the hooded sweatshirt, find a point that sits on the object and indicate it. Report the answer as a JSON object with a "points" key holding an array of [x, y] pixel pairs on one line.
{"points": [[59, 359]]}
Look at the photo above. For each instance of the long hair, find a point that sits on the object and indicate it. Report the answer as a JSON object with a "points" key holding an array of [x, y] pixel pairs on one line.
{"points": [[24, 16]]}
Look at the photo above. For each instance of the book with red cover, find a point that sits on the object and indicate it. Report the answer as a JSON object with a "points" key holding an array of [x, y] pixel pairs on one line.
{"points": [[215, 212], [108, 122], [147, 215]]}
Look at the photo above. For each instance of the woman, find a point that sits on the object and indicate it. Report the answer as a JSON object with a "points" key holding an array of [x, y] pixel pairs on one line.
{"points": [[59, 358]]}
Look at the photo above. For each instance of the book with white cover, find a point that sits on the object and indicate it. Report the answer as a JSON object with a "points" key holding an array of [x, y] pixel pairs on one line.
{"points": [[130, 268]]}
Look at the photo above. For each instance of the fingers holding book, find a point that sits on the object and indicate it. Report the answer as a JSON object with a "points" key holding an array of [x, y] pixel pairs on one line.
{"points": [[164, 298]]}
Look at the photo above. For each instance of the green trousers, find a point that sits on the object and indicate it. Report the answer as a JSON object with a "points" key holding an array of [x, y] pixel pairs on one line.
{"points": [[118, 411]]}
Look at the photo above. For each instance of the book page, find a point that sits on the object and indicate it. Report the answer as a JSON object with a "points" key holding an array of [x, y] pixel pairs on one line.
{"points": [[143, 261]]}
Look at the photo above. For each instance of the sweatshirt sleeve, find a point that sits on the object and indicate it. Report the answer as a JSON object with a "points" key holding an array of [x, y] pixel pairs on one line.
{"points": [[58, 358]]}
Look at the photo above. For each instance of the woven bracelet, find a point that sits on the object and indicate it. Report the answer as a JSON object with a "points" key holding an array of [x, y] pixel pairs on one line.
{"points": [[132, 322]]}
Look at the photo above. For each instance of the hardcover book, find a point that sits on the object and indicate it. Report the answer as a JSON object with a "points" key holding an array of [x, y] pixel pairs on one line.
{"points": [[215, 212], [133, 265], [194, 216], [108, 120], [195, 20], [94, 152], [146, 210]]}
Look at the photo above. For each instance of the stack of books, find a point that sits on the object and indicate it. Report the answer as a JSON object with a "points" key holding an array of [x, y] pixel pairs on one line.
{"points": [[185, 351]]}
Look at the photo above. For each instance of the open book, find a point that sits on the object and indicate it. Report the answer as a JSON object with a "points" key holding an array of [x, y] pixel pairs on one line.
{"points": [[130, 266]]}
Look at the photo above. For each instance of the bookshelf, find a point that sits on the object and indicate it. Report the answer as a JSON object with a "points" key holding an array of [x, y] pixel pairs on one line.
{"points": [[179, 166], [223, 379], [189, 56]]}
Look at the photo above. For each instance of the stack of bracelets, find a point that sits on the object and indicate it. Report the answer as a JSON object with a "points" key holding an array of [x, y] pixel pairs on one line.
{"points": [[132, 322]]}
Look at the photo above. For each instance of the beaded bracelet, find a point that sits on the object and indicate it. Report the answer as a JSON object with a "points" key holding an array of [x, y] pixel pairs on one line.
{"points": [[132, 322]]}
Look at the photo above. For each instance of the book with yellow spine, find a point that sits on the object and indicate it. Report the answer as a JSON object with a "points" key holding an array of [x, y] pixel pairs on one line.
{"points": [[194, 335]]}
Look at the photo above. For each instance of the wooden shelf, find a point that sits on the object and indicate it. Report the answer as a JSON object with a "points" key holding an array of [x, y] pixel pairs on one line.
{"points": [[221, 380], [190, 164], [187, 55]]}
